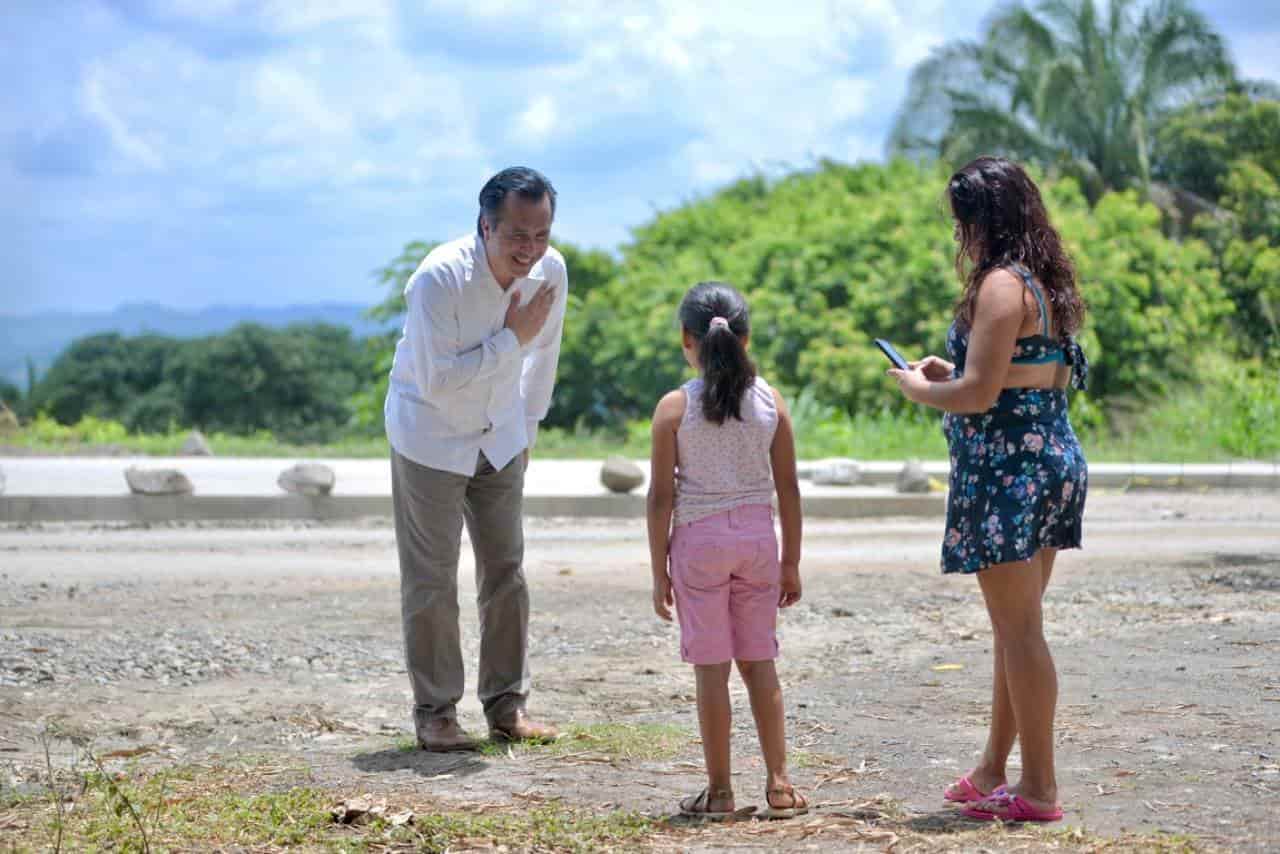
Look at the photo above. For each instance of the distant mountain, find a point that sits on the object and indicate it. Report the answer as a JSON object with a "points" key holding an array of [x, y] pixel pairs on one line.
{"points": [[41, 337]]}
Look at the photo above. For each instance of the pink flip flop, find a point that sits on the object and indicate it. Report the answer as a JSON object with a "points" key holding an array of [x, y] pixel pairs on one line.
{"points": [[968, 793], [1003, 806]]}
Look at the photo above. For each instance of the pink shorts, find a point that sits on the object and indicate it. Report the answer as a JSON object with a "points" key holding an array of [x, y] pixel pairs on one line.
{"points": [[726, 579]]}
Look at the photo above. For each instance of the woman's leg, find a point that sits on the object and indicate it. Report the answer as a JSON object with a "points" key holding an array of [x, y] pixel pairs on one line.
{"points": [[714, 719], [990, 771], [1013, 592]]}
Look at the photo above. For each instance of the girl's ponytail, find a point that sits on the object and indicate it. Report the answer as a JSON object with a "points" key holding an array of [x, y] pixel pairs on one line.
{"points": [[717, 316]]}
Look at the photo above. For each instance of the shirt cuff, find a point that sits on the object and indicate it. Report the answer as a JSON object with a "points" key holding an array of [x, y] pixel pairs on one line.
{"points": [[531, 431]]}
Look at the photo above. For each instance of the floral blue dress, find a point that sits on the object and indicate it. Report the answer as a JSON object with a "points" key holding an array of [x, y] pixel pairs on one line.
{"points": [[1018, 475]]}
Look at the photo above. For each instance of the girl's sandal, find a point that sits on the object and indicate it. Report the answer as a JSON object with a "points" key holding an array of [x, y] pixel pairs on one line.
{"points": [[797, 803], [699, 805]]}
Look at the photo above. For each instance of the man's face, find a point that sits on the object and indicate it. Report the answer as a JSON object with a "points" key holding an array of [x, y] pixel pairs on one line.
{"points": [[518, 239]]}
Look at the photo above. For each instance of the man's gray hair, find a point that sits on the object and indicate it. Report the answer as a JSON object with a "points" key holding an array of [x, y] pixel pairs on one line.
{"points": [[528, 183]]}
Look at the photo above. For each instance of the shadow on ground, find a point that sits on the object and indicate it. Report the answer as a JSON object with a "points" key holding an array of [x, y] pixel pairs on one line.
{"points": [[942, 821], [421, 762]]}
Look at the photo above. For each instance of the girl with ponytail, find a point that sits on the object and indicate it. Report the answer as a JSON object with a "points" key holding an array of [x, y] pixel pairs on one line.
{"points": [[722, 447]]}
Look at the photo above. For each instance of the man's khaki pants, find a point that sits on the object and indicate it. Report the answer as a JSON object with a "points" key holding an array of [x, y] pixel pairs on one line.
{"points": [[430, 508]]}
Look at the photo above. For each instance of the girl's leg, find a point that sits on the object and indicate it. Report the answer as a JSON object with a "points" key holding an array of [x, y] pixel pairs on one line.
{"points": [[761, 679], [714, 719], [1013, 592], [990, 771]]}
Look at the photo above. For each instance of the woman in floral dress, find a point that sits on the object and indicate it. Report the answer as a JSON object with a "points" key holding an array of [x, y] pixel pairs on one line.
{"points": [[1018, 475]]}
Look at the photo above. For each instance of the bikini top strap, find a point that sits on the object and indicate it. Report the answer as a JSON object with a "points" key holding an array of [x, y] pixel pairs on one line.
{"points": [[1035, 291]]}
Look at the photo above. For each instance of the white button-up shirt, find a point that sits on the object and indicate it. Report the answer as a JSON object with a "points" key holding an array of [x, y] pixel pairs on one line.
{"points": [[461, 384]]}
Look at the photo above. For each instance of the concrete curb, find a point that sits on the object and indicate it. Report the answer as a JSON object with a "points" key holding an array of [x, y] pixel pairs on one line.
{"points": [[27, 509], [1125, 475]]}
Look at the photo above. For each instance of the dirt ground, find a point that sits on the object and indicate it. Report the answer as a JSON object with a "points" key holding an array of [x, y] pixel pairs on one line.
{"points": [[192, 644]]}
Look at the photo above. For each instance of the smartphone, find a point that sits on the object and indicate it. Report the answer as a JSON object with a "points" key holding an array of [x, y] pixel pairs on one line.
{"points": [[892, 354]]}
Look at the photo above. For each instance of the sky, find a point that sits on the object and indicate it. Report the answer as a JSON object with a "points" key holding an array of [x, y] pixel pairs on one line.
{"points": [[203, 152]]}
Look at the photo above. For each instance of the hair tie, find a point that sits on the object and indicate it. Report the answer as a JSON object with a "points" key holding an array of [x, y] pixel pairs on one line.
{"points": [[718, 321]]}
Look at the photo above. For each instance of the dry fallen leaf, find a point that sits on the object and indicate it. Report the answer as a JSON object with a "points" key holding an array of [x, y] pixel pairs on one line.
{"points": [[940, 668], [129, 753], [357, 810]]}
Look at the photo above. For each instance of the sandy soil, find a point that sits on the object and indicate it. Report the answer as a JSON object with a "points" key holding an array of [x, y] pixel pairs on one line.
{"points": [[198, 642]]}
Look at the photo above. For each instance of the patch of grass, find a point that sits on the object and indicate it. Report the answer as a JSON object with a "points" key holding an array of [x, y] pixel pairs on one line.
{"points": [[43, 435], [801, 758], [550, 827], [406, 744], [1156, 842], [10, 797], [178, 808], [635, 742], [226, 808], [234, 807]]}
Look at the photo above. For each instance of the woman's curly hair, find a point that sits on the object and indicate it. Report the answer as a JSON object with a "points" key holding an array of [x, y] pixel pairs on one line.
{"points": [[1001, 220]]}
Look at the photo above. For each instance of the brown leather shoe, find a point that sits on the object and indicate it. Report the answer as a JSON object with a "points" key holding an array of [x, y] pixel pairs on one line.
{"points": [[444, 734], [520, 728]]}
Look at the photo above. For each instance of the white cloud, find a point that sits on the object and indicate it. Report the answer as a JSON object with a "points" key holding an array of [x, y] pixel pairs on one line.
{"points": [[374, 17], [539, 119], [709, 91], [294, 106], [97, 104]]}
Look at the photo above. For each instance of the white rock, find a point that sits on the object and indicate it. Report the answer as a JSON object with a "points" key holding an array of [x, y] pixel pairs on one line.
{"points": [[307, 479], [836, 472], [157, 481], [619, 474], [196, 445], [913, 478]]}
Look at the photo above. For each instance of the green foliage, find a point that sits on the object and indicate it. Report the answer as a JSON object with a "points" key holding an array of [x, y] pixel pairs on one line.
{"points": [[825, 431], [1239, 145], [1228, 411], [1198, 146], [1071, 84], [815, 253], [44, 431], [828, 259], [831, 258], [94, 435], [101, 375], [394, 276], [294, 382], [1153, 302], [588, 268]]}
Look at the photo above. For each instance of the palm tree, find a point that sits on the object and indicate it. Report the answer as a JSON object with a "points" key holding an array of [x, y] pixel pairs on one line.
{"points": [[1068, 85]]}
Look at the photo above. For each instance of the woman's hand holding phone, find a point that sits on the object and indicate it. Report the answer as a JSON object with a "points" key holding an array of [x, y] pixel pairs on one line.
{"points": [[935, 369], [914, 378]]}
